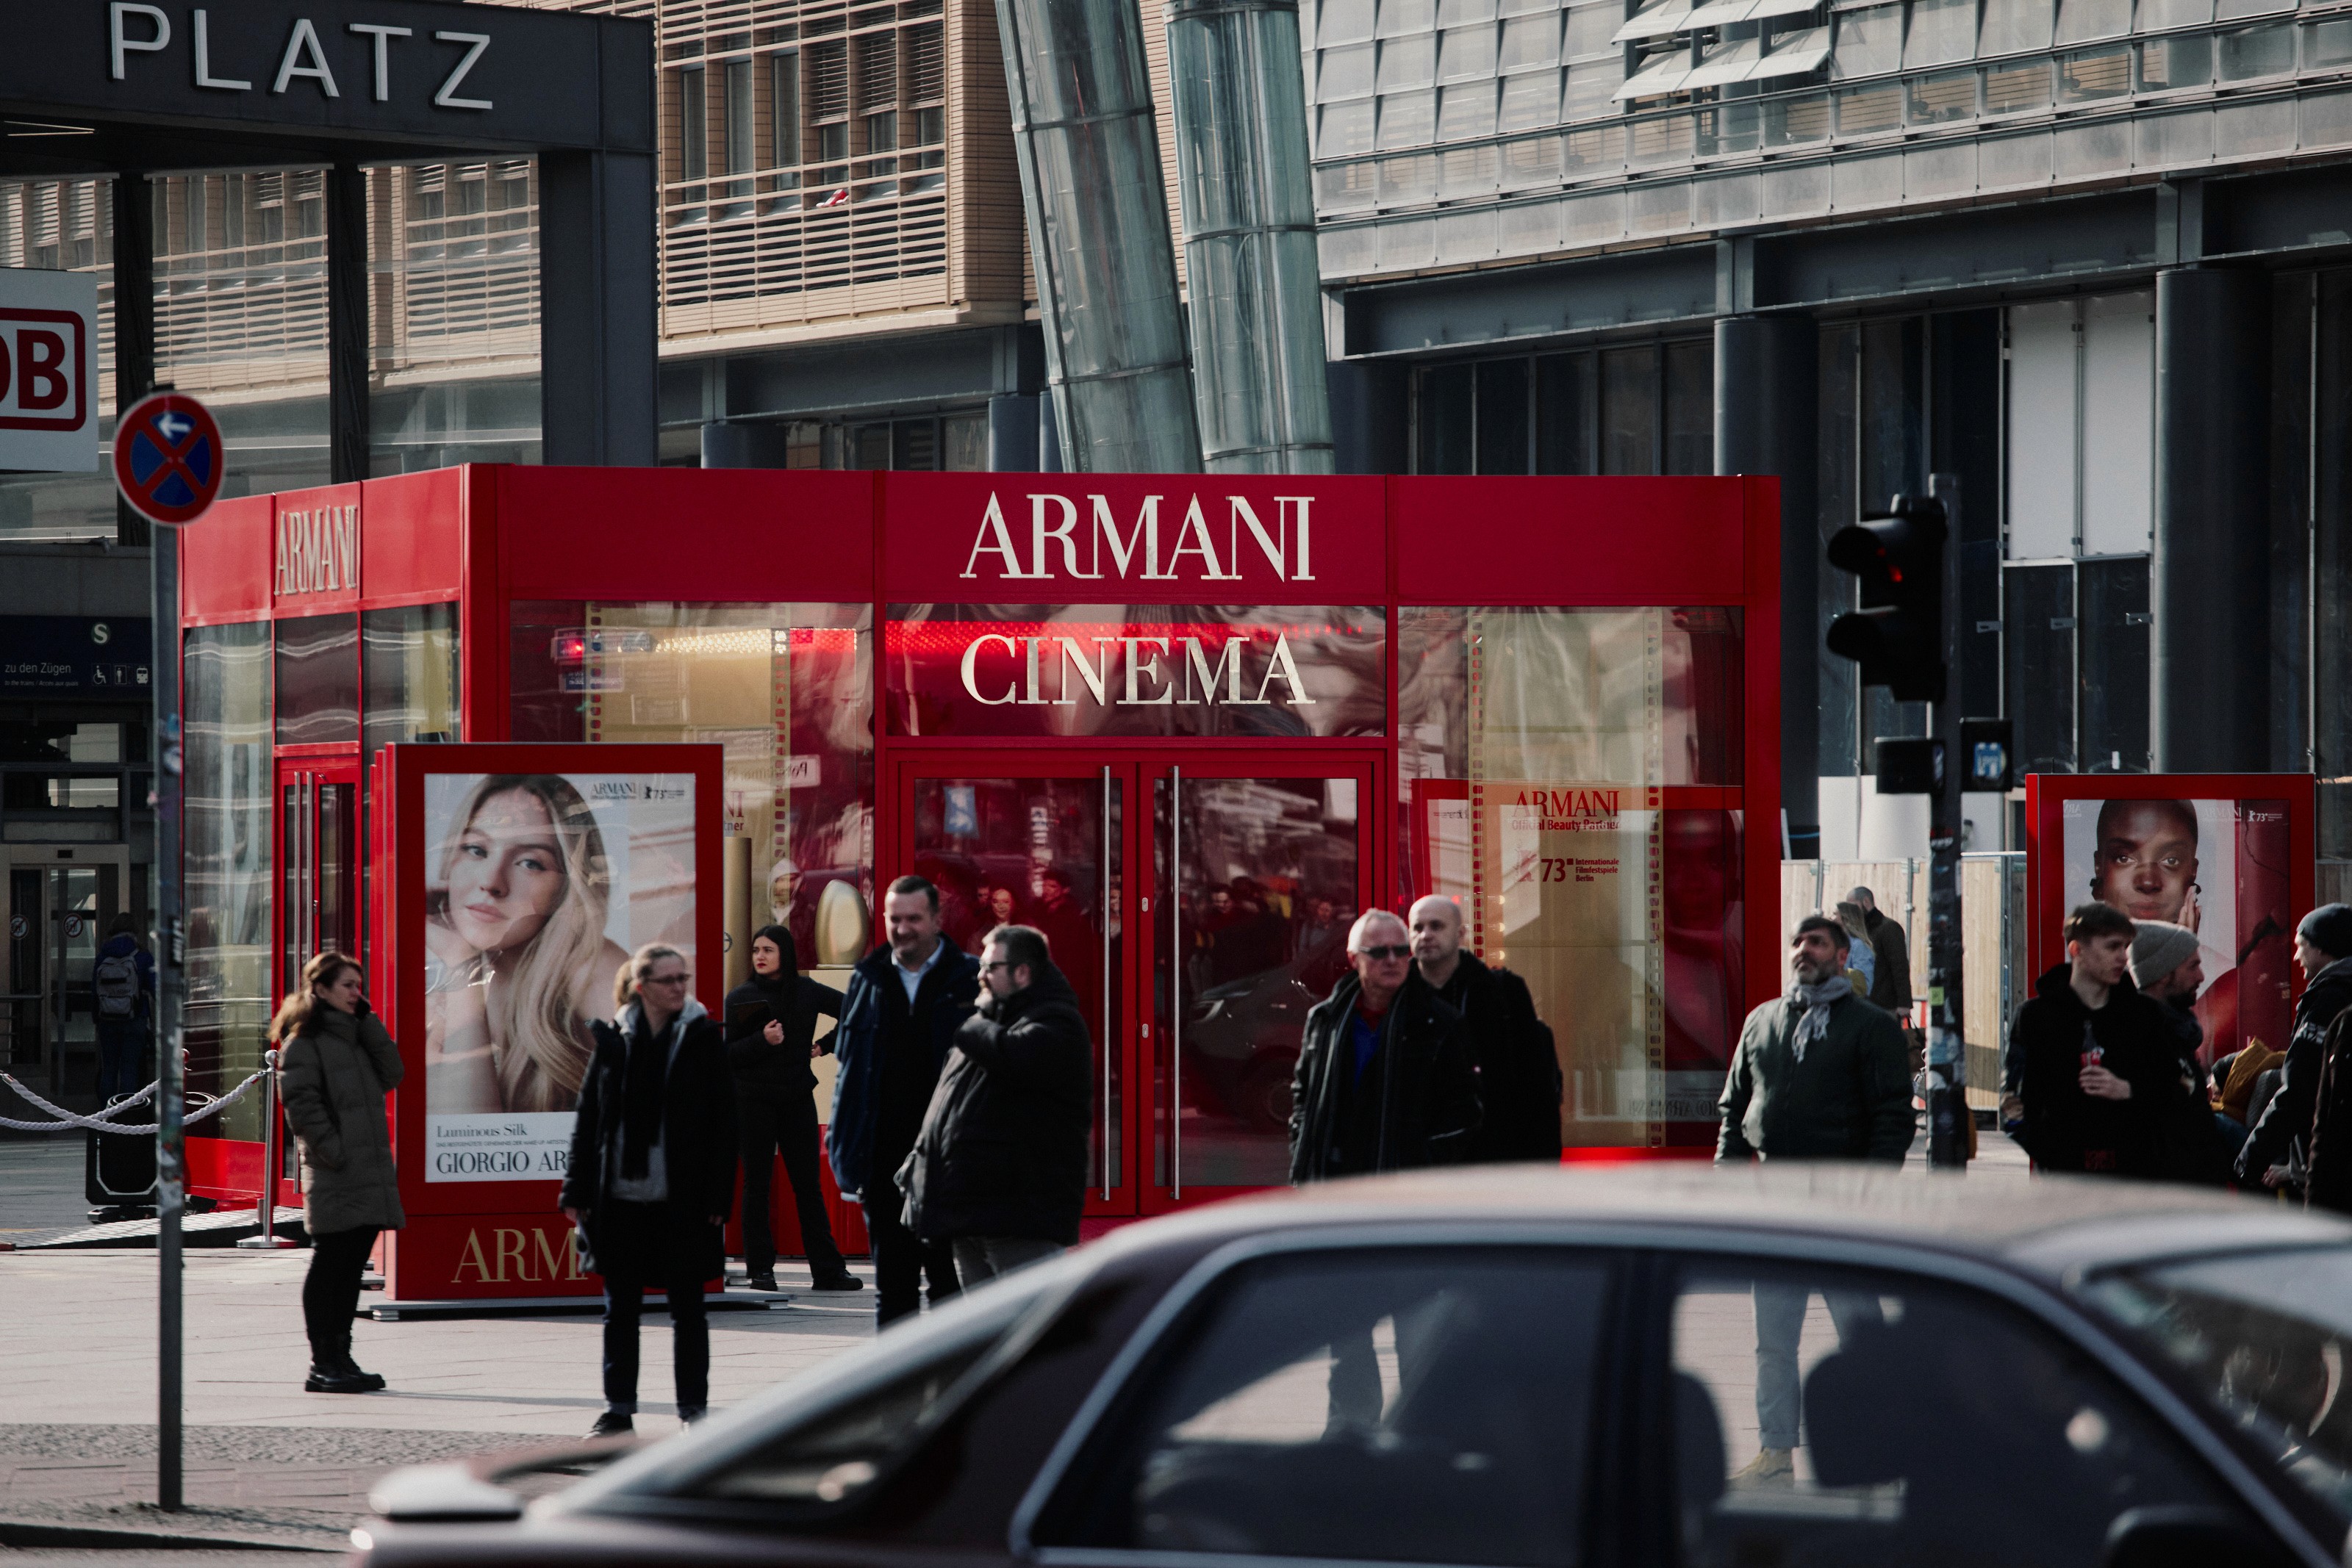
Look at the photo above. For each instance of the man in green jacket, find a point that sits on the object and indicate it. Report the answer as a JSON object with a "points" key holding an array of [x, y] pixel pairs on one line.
{"points": [[1819, 1074]]}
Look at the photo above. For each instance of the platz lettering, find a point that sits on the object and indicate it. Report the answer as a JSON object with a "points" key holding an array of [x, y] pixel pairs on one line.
{"points": [[134, 29]]}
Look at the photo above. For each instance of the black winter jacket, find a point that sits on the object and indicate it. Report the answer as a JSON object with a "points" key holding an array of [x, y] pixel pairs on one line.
{"points": [[2328, 1181], [2069, 1130], [2293, 1109], [1003, 1146], [1848, 1099], [1517, 1063], [793, 1000], [698, 1133], [1416, 1103]]}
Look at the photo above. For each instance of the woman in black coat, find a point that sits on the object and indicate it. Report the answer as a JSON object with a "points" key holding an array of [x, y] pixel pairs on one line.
{"points": [[771, 1040], [652, 1174]]}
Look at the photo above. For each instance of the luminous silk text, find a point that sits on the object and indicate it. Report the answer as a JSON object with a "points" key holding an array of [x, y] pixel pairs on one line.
{"points": [[1196, 672]]}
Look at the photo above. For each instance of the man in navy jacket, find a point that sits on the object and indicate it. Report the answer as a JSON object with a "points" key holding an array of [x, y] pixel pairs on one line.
{"points": [[899, 1017]]}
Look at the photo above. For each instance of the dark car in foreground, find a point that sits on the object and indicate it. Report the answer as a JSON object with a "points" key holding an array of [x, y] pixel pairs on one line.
{"points": [[1541, 1369]]}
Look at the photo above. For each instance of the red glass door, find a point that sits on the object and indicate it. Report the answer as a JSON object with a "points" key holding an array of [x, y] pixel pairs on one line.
{"points": [[1258, 866], [1045, 844], [319, 901]]}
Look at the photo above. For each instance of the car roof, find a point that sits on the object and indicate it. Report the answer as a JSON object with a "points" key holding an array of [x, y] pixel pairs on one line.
{"points": [[2052, 1226]]}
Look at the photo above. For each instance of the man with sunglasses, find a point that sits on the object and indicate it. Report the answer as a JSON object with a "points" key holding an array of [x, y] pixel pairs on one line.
{"points": [[1383, 1081], [999, 1171]]}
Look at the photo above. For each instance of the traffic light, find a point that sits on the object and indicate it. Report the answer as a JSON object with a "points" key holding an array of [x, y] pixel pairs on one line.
{"points": [[1897, 635]]}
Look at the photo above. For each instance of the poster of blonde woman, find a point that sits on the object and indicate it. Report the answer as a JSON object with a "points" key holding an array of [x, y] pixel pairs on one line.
{"points": [[537, 886]]}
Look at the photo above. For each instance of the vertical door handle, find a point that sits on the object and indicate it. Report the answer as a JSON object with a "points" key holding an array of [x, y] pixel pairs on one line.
{"points": [[1176, 980], [1109, 840]]}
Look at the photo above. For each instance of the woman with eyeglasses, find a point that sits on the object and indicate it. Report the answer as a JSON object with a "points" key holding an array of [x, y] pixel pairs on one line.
{"points": [[653, 1173]]}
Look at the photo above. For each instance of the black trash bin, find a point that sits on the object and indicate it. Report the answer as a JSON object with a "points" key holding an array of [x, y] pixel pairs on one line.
{"points": [[118, 1170]]}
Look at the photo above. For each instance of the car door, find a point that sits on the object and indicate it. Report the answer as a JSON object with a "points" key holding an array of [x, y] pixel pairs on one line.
{"points": [[1346, 1401], [1825, 1415]]}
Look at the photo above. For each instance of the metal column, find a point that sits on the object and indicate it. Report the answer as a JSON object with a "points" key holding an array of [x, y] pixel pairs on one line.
{"points": [[1248, 199], [2210, 698], [1083, 128], [596, 317], [347, 324], [1767, 400]]}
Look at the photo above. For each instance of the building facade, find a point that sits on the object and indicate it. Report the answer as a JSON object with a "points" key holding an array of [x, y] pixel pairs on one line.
{"points": [[1849, 244]]}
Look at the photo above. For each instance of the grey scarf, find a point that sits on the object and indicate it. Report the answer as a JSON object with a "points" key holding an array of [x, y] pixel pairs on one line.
{"points": [[1817, 1001]]}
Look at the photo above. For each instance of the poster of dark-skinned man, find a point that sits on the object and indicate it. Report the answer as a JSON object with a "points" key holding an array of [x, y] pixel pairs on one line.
{"points": [[537, 887], [2219, 867]]}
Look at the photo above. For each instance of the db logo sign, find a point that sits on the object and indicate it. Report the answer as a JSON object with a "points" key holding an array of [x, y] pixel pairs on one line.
{"points": [[43, 354], [48, 395]]}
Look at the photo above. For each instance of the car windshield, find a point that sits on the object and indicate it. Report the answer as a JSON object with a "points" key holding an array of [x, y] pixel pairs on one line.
{"points": [[2267, 1337]]}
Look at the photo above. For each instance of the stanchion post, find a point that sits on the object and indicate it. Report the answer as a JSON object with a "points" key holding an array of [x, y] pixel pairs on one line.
{"points": [[171, 1096], [273, 1161]]}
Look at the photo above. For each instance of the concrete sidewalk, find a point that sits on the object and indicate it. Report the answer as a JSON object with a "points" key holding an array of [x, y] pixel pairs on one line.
{"points": [[268, 1463]]}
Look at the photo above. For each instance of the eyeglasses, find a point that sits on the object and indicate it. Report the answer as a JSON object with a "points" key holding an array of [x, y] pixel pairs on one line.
{"points": [[1394, 951], [666, 979]]}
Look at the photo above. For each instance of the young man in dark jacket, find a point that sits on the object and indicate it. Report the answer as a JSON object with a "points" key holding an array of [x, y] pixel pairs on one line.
{"points": [[1820, 1073], [1510, 1049], [2322, 946], [2096, 1069], [1383, 1081], [771, 1038], [900, 1014], [999, 1171]]}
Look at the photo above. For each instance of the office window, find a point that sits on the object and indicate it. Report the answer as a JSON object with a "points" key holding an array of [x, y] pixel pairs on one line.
{"points": [[784, 87], [1629, 410], [693, 134], [1502, 417]]}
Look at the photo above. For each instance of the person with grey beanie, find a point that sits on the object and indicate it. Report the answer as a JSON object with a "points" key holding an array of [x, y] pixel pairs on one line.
{"points": [[2169, 971], [2322, 946]]}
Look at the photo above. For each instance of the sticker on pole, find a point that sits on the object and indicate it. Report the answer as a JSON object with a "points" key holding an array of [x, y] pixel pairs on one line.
{"points": [[168, 458]]}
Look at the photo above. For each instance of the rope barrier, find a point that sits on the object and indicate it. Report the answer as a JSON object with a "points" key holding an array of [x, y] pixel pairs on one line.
{"points": [[99, 1125]]}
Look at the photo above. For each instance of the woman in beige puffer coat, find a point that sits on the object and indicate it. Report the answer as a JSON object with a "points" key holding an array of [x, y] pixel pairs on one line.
{"points": [[336, 1064]]}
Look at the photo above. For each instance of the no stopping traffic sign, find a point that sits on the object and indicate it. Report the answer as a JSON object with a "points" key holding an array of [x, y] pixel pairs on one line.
{"points": [[168, 458]]}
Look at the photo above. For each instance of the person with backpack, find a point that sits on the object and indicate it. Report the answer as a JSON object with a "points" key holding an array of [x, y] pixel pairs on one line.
{"points": [[122, 998]]}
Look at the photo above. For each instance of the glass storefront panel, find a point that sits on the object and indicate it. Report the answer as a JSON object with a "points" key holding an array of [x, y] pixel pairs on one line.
{"points": [[784, 688], [226, 685], [317, 679], [1127, 670], [1046, 853], [1559, 777], [411, 674], [1258, 882]]}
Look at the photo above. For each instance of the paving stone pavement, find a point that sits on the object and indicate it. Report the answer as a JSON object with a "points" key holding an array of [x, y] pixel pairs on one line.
{"points": [[266, 1462]]}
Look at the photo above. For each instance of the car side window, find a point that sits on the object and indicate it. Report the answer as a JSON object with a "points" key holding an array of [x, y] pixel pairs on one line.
{"points": [[1430, 1404], [1830, 1416]]}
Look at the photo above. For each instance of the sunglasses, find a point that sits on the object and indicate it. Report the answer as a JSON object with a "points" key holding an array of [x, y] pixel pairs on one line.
{"points": [[1393, 951], [666, 979]]}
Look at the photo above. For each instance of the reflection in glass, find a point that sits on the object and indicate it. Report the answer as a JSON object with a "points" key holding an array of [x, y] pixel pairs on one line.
{"points": [[1251, 934], [783, 688], [225, 683], [1037, 852], [1538, 748], [317, 679], [409, 659]]}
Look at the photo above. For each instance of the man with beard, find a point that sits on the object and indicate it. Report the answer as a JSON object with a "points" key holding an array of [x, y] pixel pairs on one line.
{"points": [[1819, 1074], [1510, 1049]]}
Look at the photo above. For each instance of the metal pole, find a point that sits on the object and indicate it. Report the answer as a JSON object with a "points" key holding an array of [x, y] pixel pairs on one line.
{"points": [[273, 1163], [1176, 979], [1947, 1138]]}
